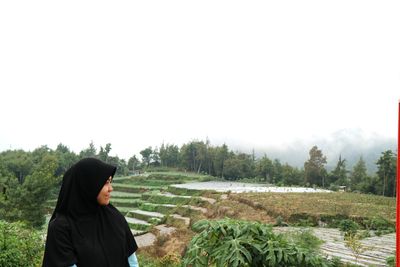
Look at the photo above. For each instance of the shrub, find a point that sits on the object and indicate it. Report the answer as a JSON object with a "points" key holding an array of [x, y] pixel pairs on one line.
{"points": [[334, 187], [391, 261], [19, 245], [352, 241], [239, 243], [349, 227], [280, 222], [379, 223], [304, 238]]}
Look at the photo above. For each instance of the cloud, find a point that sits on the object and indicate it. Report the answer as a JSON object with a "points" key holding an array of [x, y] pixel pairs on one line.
{"points": [[351, 144]]}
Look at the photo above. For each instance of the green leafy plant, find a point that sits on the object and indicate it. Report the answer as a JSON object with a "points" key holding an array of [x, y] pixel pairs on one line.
{"points": [[380, 225], [19, 245], [391, 261], [236, 243], [349, 227], [280, 222], [304, 238], [352, 241]]}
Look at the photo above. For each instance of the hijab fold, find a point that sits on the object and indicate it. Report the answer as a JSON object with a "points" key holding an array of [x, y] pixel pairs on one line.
{"points": [[80, 230]]}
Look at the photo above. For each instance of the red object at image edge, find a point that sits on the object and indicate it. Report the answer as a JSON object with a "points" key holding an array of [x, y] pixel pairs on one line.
{"points": [[397, 198]]}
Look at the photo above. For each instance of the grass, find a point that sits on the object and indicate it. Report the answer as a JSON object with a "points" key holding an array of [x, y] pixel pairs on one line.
{"points": [[184, 191], [122, 202], [296, 206], [124, 210], [159, 181], [120, 194], [176, 200], [169, 260], [135, 188], [143, 217], [157, 208], [118, 179], [140, 227]]}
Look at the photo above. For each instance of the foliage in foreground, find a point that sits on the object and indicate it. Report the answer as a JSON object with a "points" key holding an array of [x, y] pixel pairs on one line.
{"points": [[240, 243], [24, 199], [391, 261], [19, 246], [169, 260]]}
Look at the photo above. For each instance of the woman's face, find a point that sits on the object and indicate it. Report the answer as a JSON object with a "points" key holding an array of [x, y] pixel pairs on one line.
{"points": [[103, 198]]}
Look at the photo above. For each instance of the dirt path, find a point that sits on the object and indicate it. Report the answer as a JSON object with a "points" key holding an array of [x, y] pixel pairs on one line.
{"points": [[145, 240], [149, 239]]}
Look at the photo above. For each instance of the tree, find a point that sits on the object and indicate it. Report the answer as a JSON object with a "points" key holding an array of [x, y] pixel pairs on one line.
{"points": [[221, 154], [26, 201], [35, 191], [238, 166], [104, 152], [359, 174], [193, 156], [146, 153], [265, 169], [314, 168], [163, 155], [291, 175], [278, 176], [339, 174], [169, 155], [91, 151], [39, 153], [155, 157], [133, 163], [18, 162], [66, 159], [387, 172], [120, 164], [10, 199]]}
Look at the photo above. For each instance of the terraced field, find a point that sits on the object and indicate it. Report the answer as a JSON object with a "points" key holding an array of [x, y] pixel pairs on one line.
{"points": [[148, 202], [153, 208]]}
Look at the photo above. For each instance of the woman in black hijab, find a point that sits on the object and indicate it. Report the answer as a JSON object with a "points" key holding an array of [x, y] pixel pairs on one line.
{"points": [[85, 230]]}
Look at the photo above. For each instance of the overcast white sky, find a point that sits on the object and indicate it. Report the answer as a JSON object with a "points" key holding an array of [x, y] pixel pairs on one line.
{"points": [[137, 73]]}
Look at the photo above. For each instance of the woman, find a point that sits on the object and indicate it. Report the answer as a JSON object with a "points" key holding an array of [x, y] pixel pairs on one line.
{"points": [[85, 230]]}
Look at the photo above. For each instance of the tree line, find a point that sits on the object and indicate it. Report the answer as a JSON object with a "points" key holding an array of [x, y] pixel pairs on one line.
{"points": [[29, 179], [220, 161]]}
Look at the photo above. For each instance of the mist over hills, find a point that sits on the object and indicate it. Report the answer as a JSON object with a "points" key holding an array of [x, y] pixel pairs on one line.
{"points": [[350, 144]]}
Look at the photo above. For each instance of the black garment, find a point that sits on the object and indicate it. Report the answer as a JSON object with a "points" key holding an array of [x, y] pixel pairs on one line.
{"points": [[81, 231]]}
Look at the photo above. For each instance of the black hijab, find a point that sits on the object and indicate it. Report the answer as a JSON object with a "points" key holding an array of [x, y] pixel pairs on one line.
{"points": [[80, 230]]}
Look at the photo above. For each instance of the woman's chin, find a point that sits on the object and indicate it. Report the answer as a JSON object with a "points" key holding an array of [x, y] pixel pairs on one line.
{"points": [[104, 203]]}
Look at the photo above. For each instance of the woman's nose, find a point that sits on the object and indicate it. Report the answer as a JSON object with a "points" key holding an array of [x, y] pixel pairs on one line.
{"points": [[110, 188]]}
